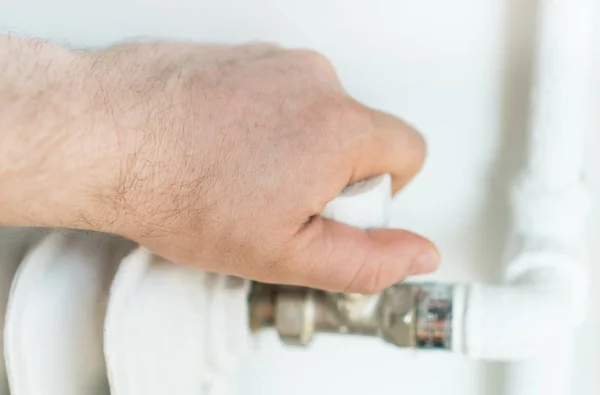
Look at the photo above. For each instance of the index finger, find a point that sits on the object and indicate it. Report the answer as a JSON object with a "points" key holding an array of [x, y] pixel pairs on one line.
{"points": [[389, 146]]}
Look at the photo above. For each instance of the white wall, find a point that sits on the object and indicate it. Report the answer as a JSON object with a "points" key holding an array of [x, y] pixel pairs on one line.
{"points": [[457, 70]]}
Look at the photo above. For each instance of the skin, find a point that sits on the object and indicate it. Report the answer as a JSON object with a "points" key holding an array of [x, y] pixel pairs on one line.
{"points": [[216, 156]]}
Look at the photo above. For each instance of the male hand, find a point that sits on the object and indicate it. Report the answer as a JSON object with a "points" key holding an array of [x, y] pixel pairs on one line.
{"points": [[224, 156]]}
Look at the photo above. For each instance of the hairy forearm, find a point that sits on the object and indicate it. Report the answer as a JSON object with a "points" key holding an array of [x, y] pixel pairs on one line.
{"points": [[220, 156], [45, 164]]}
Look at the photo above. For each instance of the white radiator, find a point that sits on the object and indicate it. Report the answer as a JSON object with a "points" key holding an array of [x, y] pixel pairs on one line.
{"points": [[90, 313]]}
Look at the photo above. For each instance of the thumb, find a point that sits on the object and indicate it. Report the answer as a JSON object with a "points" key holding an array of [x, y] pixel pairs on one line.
{"points": [[342, 258]]}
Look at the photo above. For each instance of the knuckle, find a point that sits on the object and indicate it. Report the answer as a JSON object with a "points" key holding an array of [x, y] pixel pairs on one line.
{"points": [[336, 128], [344, 123], [355, 115], [340, 112], [315, 60]]}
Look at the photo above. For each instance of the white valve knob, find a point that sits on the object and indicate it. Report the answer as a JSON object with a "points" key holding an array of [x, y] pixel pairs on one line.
{"points": [[365, 204]]}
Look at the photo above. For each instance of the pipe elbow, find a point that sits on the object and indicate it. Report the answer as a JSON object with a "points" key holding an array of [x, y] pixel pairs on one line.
{"points": [[544, 299]]}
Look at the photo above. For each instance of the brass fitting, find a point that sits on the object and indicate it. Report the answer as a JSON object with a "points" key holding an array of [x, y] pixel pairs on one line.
{"points": [[405, 315]]}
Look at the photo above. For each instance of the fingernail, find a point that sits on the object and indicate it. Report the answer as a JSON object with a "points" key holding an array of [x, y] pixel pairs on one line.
{"points": [[427, 262]]}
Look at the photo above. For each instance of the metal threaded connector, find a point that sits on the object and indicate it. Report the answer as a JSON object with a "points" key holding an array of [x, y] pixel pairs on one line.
{"points": [[405, 315]]}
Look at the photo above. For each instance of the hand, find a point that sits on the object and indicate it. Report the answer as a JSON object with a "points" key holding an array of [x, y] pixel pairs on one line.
{"points": [[223, 157]]}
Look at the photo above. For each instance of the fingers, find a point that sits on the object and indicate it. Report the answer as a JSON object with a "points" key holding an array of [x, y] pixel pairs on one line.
{"points": [[342, 258], [391, 146]]}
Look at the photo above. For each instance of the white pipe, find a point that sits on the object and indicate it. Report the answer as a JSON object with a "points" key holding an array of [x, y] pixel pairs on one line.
{"points": [[561, 79], [534, 315], [552, 203]]}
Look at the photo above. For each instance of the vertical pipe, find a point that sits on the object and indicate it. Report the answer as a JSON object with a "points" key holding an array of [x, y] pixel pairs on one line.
{"points": [[550, 205], [559, 101], [547, 374]]}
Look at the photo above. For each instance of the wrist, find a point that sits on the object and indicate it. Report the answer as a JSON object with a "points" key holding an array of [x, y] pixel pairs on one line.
{"points": [[51, 162]]}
